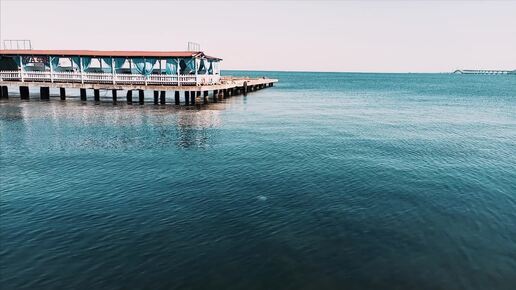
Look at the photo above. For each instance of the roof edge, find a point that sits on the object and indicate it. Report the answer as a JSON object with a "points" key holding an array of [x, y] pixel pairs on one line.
{"points": [[107, 53]]}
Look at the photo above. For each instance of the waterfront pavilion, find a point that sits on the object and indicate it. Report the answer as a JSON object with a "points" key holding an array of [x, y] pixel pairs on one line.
{"points": [[168, 68]]}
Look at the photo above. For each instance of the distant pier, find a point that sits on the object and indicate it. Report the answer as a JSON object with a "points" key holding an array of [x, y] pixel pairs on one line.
{"points": [[484, 72], [192, 75]]}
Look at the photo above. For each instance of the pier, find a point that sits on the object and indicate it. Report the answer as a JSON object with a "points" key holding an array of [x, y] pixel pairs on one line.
{"points": [[484, 72], [189, 74]]}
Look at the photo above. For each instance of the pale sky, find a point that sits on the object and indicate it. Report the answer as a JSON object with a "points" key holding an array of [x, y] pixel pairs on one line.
{"points": [[365, 36]]}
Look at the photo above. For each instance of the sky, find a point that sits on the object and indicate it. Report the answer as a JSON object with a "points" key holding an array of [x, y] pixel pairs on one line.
{"points": [[347, 36]]}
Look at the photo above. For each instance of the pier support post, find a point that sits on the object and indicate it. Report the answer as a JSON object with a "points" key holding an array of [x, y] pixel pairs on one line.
{"points": [[4, 93], [245, 88], [83, 94], [187, 98], [225, 94], [96, 95], [44, 93], [176, 98], [24, 93], [141, 97], [162, 97], [215, 99], [156, 97], [129, 97], [62, 94], [198, 98], [193, 94], [113, 92], [205, 97]]}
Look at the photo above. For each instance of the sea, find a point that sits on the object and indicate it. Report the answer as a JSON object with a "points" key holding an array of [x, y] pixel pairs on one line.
{"points": [[324, 181]]}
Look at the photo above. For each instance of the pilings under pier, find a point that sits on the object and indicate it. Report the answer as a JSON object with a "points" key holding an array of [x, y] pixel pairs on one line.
{"points": [[187, 98], [24, 93], [141, 97], [129, 97], [193, 95], [83, 95], [205, 97], [215, 96], [44, 93], [62, 94], [162, 97], [156, 97], [96, 95], [114, 95], [177, 97], [4, 92]]}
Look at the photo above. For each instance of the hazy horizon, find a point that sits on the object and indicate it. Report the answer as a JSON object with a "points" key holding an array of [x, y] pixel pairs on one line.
{"points": [[310, 36]]}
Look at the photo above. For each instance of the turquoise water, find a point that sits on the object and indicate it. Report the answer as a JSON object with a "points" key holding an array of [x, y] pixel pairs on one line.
{"points": [[325, 181]]}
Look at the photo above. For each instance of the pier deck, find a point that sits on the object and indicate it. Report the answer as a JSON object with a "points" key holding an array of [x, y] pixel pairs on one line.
{"points": [[193, 95], [225, 83]]}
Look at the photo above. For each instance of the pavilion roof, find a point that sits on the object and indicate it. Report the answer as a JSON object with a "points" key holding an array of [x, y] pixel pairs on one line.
{"points": [[107, 53]]}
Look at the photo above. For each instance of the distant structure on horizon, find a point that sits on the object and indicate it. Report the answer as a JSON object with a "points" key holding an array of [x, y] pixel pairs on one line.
{"points": [[484, 72]]}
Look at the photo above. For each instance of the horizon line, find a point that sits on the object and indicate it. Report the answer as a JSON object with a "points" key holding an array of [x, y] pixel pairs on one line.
{"points": [[363, 72]]}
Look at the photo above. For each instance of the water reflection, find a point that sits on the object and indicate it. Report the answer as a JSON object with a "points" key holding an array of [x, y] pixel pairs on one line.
{"points": [[75, 124], [194, 127]]}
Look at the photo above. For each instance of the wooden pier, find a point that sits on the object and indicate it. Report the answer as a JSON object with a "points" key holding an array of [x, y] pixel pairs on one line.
{"points": [[194, 75]]}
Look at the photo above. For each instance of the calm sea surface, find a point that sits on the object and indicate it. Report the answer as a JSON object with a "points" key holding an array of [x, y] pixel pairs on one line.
{"points": [[325, 181]]}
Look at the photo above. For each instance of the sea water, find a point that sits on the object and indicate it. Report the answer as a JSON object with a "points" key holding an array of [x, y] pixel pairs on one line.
{"points": [[325, 181]]}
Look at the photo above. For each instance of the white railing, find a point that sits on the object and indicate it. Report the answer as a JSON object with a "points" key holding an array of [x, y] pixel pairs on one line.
{"points": [[66, 76], [108, 78]]}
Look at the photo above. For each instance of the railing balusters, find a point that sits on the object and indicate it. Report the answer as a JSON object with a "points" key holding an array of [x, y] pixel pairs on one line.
{"points": [[109, 78]]}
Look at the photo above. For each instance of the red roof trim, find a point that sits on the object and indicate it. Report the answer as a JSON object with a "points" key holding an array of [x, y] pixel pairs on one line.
{"points": [[107, 53]]}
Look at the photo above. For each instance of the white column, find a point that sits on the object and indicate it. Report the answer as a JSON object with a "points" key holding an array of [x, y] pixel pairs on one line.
{"points": [[130, 69], [113, 71], [80, 69], [21, 68], [177, 71], [195, 68], [144, 69], [51, 70]]}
